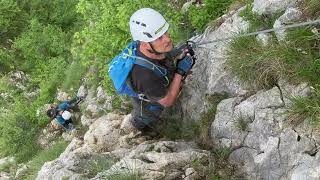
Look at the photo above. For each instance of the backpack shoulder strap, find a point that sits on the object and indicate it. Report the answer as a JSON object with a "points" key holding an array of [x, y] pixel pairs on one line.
{"points": [[131, 52], [158, 70]]}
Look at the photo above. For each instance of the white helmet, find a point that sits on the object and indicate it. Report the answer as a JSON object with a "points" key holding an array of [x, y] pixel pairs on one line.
{"points": [[66, 115], [147, 25]]}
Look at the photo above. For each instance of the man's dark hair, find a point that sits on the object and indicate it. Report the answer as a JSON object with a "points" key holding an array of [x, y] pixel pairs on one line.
{"points": [[52, 112]]}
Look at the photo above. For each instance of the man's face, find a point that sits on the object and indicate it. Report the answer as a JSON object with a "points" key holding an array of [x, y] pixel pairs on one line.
{"points": [[163, 44]]}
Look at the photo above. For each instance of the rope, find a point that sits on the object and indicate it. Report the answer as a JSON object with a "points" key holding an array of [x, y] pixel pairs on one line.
{"points": [[259, 32]]}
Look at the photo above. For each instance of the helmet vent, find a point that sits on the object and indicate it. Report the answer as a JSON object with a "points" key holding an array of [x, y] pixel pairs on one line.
{"points": [[143, 24], [149, 35]]}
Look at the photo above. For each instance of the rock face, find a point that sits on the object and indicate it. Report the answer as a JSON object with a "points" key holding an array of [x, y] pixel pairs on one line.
{"points": [[71, 164], [268, 7], [150, 159], [209, 73], [256, 127], [104, 133], [264, 143], [159, 160]]}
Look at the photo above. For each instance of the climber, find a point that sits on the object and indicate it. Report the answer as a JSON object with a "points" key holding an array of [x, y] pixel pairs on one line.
{"points": [[62, 112], [150, 30]]}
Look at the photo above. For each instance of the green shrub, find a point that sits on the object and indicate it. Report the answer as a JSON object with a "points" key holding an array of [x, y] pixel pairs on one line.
{"points": [[43, 156], [7, 62], [18, 132], [40, 43], [12, 20], [258, 22], [212, 9], [35, 38], [61, 13], [73, 76]]}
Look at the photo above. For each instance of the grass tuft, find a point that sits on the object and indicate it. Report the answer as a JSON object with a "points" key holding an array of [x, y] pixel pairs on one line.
{"points": [[206, 119], [242, 123], [306, 108], [262, 66], [47, 155], [258, 22]]}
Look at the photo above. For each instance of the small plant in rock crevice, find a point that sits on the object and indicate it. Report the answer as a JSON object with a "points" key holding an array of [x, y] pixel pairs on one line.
{"points": [[306, 108], [204, 124], [242, 122], [256, 21]]}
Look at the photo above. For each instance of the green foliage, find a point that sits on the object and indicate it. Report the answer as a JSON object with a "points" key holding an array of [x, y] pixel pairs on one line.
{"points": [[6, 60], [44, 51], [73, 76], [206, 119], [61, 13], [35, 38], [222, 168], [212, 9], [18, 132], [39, 44], [175, 129], [242, 123], [97, 165], [311, 8], [12, 20], [222, 154], [217, 167], [306, 108], [295, 60], [205, 167], [258, 22], [43, 156], [9, 166]]}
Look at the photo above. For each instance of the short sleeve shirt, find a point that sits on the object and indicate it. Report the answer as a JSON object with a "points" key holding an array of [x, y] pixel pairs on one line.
{"points": [[64, 106], [146, 82]]}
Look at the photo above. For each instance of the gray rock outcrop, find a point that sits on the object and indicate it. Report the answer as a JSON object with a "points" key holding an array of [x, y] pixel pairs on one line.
{"points": [[268, 7], [160, 160]]}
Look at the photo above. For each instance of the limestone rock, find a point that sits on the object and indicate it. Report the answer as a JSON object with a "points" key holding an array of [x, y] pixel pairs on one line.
{"points": [[210, 74], [82, 91], [159, 160], [269, 146], [104, 133], [264, 38], [291, 15], [126, 126], [62, 96], [268, 7], [85, 121]]}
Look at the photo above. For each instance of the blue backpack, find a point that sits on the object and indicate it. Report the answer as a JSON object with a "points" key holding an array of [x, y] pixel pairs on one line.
{"points": [[121, 66]]}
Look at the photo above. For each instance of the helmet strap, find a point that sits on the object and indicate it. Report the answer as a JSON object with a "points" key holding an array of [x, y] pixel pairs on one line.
{"points": [[153, 51]]}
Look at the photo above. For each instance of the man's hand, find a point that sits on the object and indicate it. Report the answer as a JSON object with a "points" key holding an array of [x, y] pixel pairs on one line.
{"points": [[184, 65]]}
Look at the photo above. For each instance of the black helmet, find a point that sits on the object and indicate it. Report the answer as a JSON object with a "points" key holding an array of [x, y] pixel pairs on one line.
{"points": [[51, 113]]}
